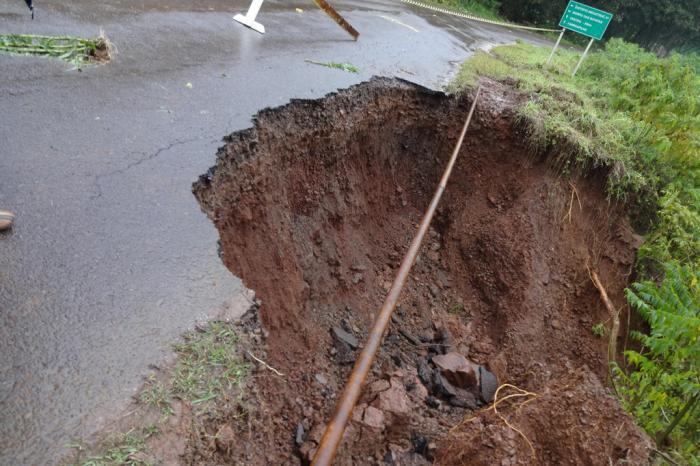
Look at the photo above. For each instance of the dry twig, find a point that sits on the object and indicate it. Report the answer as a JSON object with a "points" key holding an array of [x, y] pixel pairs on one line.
{"points": [[614, 315], [265, 364]]}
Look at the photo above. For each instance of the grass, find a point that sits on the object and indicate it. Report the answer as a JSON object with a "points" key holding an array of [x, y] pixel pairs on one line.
{"points": [[456, 308], [75, 50], [636, 117], [120, 450], [205, 368], [599, 330], [486, 10], [207, 364], [350, 68], [156, 395], [566, 115]]}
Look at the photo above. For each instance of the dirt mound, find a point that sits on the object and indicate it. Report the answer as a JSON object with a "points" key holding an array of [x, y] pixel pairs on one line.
{"points": [[572, 420], [317, 203]]}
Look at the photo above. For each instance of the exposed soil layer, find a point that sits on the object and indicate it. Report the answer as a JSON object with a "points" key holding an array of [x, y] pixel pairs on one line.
{"points": [[316, 205]]}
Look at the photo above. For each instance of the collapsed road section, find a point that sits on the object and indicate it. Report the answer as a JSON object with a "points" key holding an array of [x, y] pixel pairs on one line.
{"points": [[489, 357]]}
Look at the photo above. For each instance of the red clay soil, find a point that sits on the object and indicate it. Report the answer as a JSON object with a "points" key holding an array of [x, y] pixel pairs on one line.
{"points": [[316, 205]]}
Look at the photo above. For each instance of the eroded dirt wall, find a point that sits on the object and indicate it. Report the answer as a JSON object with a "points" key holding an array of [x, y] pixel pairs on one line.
{"points": [[316, 205]]}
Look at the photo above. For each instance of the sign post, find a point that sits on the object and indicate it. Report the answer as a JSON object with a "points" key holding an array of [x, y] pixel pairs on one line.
{"points": [[586, 20], [585, 52], [249, 18], [556, 46]]}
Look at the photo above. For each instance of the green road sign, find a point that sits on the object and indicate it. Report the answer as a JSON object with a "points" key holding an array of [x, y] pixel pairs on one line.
{"points": [[585, 20]]}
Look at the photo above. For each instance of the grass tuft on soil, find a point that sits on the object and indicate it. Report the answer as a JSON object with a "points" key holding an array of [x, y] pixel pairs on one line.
{"points": [[125, 449], [207, 366], [75, 50]]}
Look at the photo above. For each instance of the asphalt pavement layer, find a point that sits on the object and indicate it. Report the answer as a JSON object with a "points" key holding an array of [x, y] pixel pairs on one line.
{"points": [[111, 259]]}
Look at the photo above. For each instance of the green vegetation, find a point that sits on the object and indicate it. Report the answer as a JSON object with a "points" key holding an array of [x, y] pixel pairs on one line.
{"points": [[74, 50], [599, 330], [456, 308], [120, 450], [350, 68], [206, 367], [487, 9], [156, 395], [207, 364], [664, 391], [637, 117], [672, 23]]}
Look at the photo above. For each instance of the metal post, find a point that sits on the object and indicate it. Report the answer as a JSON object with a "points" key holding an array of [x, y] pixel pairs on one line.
{"points": [[578, 65], [330, 11], [249, 18], [556, 46], [335, 428]]}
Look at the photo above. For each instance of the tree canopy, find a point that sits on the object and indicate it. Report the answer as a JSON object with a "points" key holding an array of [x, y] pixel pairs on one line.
{"points": [[674, 24]]}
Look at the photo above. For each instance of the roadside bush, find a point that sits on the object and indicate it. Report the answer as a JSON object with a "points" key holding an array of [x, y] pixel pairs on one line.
{"points": [[664, 392]]}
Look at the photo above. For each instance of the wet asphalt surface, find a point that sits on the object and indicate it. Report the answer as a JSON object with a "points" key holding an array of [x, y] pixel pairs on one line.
{"points": [[111, 259]]}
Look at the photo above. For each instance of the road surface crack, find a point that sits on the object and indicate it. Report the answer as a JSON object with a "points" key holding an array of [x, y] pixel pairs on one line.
{"points": [[146, 158]]}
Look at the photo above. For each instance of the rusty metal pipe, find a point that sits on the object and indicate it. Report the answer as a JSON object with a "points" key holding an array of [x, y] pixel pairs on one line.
{"points": [[334, 430]]}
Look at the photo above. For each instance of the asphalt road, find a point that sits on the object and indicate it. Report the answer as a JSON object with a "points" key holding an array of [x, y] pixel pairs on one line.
{"points": [[111, 259]]}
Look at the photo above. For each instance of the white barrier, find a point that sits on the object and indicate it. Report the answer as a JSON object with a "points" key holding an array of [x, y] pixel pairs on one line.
{"points": [[249, 18]]}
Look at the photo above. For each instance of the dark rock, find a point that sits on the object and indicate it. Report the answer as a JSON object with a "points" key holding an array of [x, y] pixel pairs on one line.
{"points": [[299, 434], [443, 387], [415, 341], [432, 402], [397, 359], [425, 373], [389, 457], [488, 383], [420, 444], [444, 337], [345, 337]]}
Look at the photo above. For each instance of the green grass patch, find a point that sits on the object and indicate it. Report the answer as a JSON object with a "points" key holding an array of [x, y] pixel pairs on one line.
{"points": [[599, 330], [119, 450], [75, 50], [156, 395], [207, 363], [637, 117], [487, 9], [206, 366], [349, 67]]}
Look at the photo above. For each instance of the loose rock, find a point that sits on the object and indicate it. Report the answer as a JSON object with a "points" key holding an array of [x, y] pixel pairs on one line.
{"points": [[488, 383], [345, 337], [393, 400], [373, 417], [299, 434], [458, 370]]}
